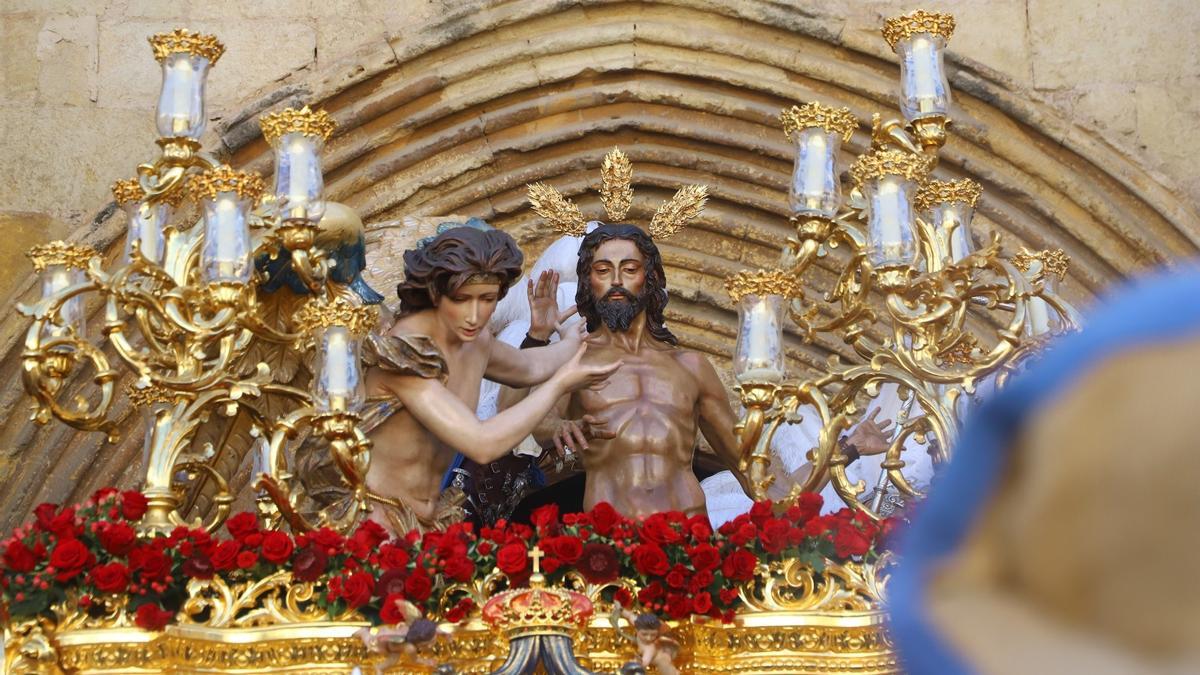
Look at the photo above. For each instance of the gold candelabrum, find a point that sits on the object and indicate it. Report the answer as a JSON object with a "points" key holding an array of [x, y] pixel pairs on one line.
{"points": [[908, 237], [182, 306]]}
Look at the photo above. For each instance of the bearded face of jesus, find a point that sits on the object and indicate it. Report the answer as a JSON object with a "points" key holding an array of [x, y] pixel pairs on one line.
{"points": [[621, 275]]}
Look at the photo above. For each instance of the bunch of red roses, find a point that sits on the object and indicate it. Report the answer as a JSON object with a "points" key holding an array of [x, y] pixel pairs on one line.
{"points": [[678, 564]]}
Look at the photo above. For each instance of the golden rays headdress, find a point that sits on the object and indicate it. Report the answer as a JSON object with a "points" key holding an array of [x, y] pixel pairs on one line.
{"points": [[617, 195]]}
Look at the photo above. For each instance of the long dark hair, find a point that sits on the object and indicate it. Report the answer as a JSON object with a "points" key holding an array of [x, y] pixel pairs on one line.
{"points": [[654, 290], [441, 266]]}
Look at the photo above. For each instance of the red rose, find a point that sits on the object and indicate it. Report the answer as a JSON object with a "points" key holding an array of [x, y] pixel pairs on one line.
{"points": [[110, 578], [310, 563], [484, 547], [390, 582], [18, 557], [604, 517], [745, 534], [700, 528], [389, 611], [44, 514], [700, 581], [775, 534], [808, 506], [702, 603], [151, 563], [544, 516], [242, 525], [651, 593], [418, 585], [728, 595], [117, 538], [657, 530], [566, 548], [198, 567], [224, 555], [679, 606], [598, 563], [357, 589], [99, 495], [459, 568], [277, 547], [69, 557], [704, 557], [247, 559], [327, 539], [152, 617], [650, 560], [678, 577], [739, 566], [511, 559], [393, 557], [623, 596], [61, 524], [849, 541], [371, 534], [761, 511], [460, 610], [133, 505]]}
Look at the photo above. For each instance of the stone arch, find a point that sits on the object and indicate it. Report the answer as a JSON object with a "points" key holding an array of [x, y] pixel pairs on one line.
{"points": [[460, 113]]}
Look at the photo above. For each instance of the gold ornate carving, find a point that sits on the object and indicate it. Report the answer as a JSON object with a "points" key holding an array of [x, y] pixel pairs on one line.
{"points": [[963, 352], [315, 123], [899, 28], [882, 163], [144, 397], [562, 214], [1054, 261], [61, 253], [761, 282], [838, 121], [131, 191], [224, 178], [941, 191], [617, 189], [182, 40], [794, 586], [274, 600], [360, 319]]}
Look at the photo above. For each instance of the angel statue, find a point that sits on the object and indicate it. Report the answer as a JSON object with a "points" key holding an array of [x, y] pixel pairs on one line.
{"points": [[406, 639], [655, 646]]}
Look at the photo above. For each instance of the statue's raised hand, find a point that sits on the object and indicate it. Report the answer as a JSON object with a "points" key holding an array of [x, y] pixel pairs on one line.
{"points": [[871, 437], [575, 374], [544, 316]]}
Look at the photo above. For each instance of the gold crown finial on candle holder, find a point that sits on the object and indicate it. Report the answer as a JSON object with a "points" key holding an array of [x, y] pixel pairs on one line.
{"points": [[360, 319], [838, 121], [898, 28], [761, 282], [943, 191], [61, 253], [316, 123], [882, 163], [182, 40], [224, 178], [1054, 261], [131, 190]]}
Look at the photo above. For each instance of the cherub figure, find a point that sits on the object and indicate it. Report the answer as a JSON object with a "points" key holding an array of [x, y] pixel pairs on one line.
{"points": [[406, 639], [650, 635]]}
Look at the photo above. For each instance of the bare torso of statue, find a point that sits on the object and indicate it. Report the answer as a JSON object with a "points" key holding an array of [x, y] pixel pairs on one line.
{"points": [[651, 407]]}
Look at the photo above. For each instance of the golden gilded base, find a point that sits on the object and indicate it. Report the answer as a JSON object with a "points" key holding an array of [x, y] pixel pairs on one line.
{"points": [[763, 643]]}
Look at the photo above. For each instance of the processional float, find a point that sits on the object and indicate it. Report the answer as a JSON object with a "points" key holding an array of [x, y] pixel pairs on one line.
{"points": [[183, 312]]}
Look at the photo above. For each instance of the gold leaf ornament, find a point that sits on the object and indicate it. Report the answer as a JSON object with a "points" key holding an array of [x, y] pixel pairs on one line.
{"points": [[617, 189], [563, 215], [674, 215]]}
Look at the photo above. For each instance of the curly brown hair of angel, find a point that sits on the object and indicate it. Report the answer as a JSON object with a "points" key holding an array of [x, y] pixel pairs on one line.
{"points": [[451, 259]]}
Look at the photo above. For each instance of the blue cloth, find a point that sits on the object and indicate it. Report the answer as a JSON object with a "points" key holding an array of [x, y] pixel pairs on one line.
{"points": [[1155, 310]]}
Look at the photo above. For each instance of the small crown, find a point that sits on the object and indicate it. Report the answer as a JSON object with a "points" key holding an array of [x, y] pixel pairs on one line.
{"points": [[316, 123], [131, 191], [899, 28], [209, 184], [838, 121], [184, 41], [941, 191], [537, 611], [761, 282], [61, 253], [617, 195], [882, 163], [1054, 261], [340, 312]]}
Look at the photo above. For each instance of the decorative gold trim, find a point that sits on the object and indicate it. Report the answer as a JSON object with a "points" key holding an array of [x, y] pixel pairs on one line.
{"points": [[61, 253], [962, 352], [562, 214], [145, 397], [674, 215], [941, 191], [305, 120], [761, 282], [617, 189], [1054, 261], [899, 28], [891, 163], [483, 278], [838, 121], [360, 319], [131, 191], [224, 178], [182, 40]]}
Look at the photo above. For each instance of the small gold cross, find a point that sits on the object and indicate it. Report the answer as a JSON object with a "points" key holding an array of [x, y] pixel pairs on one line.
{"points": [[537, 554]]}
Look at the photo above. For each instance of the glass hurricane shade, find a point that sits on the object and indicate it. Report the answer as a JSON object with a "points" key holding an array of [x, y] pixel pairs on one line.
{"points": [[298, 180], [815, 191], [924, 91], [338, 384], [225, 257], [759, 354], [180, 111], [890, 241], [146, 224], [55, 278]]}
